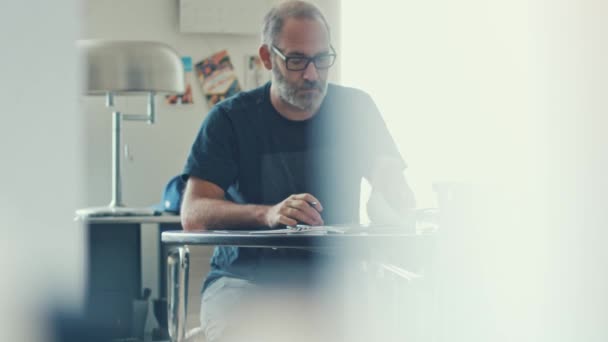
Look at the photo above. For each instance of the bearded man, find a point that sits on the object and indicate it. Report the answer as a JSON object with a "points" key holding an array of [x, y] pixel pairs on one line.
{"points": [[293, 151]]}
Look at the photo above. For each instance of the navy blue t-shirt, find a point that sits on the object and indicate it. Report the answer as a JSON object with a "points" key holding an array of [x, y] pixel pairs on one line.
{"points": [[258, 156]]}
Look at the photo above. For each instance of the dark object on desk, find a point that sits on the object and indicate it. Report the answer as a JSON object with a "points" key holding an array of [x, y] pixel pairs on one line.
{"points": [[172, 196]]}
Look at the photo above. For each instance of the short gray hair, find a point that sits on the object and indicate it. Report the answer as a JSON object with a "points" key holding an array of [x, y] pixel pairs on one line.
{"points": [[275, 18]]}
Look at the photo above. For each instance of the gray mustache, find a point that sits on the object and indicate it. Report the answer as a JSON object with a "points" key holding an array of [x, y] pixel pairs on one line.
{"points": [[312, 85]]}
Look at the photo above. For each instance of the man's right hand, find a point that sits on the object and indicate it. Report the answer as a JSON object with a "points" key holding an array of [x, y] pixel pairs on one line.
{"points": [[295, 209]]}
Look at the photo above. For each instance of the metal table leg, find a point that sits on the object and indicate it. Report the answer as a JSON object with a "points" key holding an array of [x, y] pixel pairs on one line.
{"points": [[178, 263]]}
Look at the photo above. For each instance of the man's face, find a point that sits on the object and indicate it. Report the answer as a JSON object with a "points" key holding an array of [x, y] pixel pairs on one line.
{"points": [[303, 89]]}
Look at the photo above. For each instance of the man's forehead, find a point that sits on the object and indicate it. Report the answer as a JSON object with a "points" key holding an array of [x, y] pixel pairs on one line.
{"points": [[303, 35]]}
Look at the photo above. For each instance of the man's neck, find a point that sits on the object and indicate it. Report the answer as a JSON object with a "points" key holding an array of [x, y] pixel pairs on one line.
{"points": [[287, 110]]}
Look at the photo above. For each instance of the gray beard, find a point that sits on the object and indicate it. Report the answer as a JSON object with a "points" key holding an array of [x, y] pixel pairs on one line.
{"points": [[289, 93]]}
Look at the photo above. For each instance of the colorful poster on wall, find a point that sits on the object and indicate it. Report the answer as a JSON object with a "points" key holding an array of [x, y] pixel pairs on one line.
{"points": [[185, 98], [255, 72], [217, 77]]}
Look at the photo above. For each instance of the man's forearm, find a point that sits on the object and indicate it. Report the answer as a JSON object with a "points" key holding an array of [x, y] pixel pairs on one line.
{"points": [[207, 213]]}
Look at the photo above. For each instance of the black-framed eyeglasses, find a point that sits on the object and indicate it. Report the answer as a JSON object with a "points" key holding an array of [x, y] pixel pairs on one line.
{"points": [[299, 63]]}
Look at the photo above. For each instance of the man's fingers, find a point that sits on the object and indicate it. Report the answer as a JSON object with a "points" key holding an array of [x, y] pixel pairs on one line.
{"points": [[312, 200], [301, 208], [298, 215], [287, 221], [307, 209]]}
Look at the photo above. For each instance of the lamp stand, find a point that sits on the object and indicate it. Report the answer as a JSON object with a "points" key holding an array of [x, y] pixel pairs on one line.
{"points": [[116, 206]]}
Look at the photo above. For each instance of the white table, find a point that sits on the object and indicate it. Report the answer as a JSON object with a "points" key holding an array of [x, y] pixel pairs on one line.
{"points": [[179, 257]]}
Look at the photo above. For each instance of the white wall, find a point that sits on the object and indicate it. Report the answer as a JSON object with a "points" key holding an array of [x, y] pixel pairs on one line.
{"points": [[453, 81]]}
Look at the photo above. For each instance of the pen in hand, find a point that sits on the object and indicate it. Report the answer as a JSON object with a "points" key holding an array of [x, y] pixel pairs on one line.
{"points": [[295, 209], [316, 206]]}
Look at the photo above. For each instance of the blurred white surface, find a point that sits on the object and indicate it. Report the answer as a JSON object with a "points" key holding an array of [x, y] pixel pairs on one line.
{"points": [[40, 178], [508, 97]]}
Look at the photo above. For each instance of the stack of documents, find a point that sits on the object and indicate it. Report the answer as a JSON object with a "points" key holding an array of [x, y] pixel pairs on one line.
{"points": [[301, 229], [334, 229]]}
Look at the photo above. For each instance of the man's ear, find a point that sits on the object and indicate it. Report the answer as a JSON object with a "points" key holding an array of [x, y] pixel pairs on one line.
{"points": [[265, 56]]}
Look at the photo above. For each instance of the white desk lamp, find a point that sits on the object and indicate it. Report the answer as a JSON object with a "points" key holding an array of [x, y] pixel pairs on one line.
{"points": [[127, 68]]}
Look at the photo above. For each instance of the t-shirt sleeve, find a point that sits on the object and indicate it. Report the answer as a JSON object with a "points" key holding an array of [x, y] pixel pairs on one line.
{"points": [[213, 153], [378, 142]]}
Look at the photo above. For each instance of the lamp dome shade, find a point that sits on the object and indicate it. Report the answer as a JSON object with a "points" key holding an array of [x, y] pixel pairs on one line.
{"points": [[130, 67]]}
